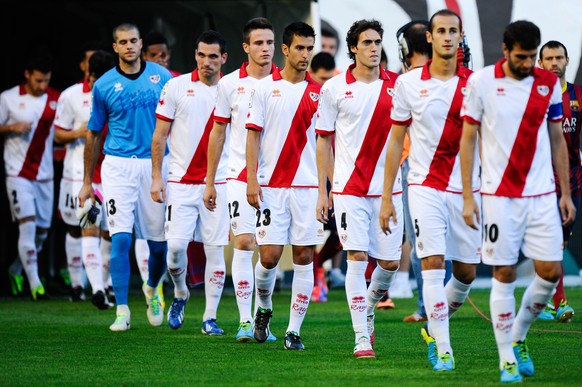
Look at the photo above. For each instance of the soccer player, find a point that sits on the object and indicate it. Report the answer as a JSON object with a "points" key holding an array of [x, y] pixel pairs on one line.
{"points": [[554, 57], [27, 112], [282, 179], [124, 100], [427, 103], [82, 245], [232, 107], [517, 110], [185, 108], [355, 106], [156, 49]]}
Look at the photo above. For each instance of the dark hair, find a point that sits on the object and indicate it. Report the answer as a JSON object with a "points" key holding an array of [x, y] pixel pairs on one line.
{"points": [[553, 44], [154, 37], [92, 45], [357, 28], [100, 62], [522, 32], [212, 37], [415, 36], [124, 27], [322, 60], [444, 12], [297, 29], [40, 59], [328, 31], [258, 23]]}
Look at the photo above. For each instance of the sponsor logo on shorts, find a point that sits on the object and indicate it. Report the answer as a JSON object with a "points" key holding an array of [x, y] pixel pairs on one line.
{"points": [[111, 222], [320, 232], [344, 238], [489, 251], [262, 234], [420, 246], [234, 225]]}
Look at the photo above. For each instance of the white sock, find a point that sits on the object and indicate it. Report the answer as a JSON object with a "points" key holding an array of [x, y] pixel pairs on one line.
{"points": [[105, 258], [92, 262], [123, 309], [28, 253], [437, 308], [301, 290], [356, 295], [502, 305], [214, 275], [74, 260], [379, 284], [244, 282], [39, 240], [534, 300], [264, 286], [177, 260], [142, 257], [456, 293]]}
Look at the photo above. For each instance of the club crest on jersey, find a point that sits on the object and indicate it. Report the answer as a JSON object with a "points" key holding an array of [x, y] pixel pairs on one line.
{"points": [[574, 105], [53, 105], [543, 90], [155, 79], [390, 91], [314, 96]]}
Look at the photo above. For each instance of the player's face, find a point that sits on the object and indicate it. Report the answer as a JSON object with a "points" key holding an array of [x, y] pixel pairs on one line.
{"points": [[37, 82], [554, 59], [128, 46], [329, 44], [519, 61], [209, 60], [369, 49], [158, 53], [84, 65], [445, 36], [261, 47], [299, 53]]}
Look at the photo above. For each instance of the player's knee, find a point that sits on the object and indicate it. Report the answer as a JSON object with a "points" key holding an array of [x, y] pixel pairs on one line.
{"points": [[244, 242], [176, 251], [389, 265]]}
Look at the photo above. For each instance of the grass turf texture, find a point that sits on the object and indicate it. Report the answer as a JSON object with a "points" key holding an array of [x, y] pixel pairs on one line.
{"points": [[56, 342]]}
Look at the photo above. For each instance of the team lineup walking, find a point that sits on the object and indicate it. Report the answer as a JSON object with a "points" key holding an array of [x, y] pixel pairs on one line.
{"points": [[468, 167]]}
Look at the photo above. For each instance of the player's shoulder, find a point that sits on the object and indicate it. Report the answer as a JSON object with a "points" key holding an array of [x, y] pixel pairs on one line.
{"points": [[72, 90], [11, 91]]}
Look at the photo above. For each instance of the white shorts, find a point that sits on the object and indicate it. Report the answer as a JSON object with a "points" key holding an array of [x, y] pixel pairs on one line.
{"points": [[287, 216], [31, 198], [531, 224], [358, 226], [243, 217], [68, 201], [186, 214], [437, 221], [126, 191]]}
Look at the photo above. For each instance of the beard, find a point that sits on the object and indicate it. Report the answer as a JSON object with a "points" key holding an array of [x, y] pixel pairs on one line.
{"points": [[517, 72]]}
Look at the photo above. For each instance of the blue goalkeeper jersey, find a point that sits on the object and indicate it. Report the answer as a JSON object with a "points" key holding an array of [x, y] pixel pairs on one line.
{"points": [[127, 104]]}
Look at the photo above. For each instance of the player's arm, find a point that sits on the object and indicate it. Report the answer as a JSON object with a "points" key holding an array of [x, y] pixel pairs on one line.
{"points": [[254, 193], [324, 155], [467, 155], [562, 168], [16, 128], [159, 141], [215, 147], [64, 136], [393, 155], [90, 156]]}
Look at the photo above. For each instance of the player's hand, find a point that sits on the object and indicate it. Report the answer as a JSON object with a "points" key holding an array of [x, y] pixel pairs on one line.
{"points": [[158, 190], [322, 209], [21, 127], [471, 213], [85, 193], [89, 215], [210, 197], [567, 210], [387, 211], [254, 194]]}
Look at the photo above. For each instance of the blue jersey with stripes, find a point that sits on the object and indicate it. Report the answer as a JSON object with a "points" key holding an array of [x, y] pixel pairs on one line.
{"points": [[127, 103], [571, 127]]}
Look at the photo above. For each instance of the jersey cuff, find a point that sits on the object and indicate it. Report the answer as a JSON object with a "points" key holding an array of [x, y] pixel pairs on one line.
{"points": [[323, 132], [471, 120], [164, 118], [224, 120], [401, 123], [254, 127]]}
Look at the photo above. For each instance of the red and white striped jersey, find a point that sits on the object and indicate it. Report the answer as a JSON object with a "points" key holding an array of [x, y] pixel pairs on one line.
{"points": [[516, 154], [285, 114], [431, 108], [74, 109], [29, 155], [232, 106], [359, 115], [188, 104]]}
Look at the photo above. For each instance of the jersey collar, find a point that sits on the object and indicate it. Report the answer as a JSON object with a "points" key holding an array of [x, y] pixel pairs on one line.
{"points": [[195, 77], [351, 79], [499, 73], [242, 72], [462, 72], [276, 71]]}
